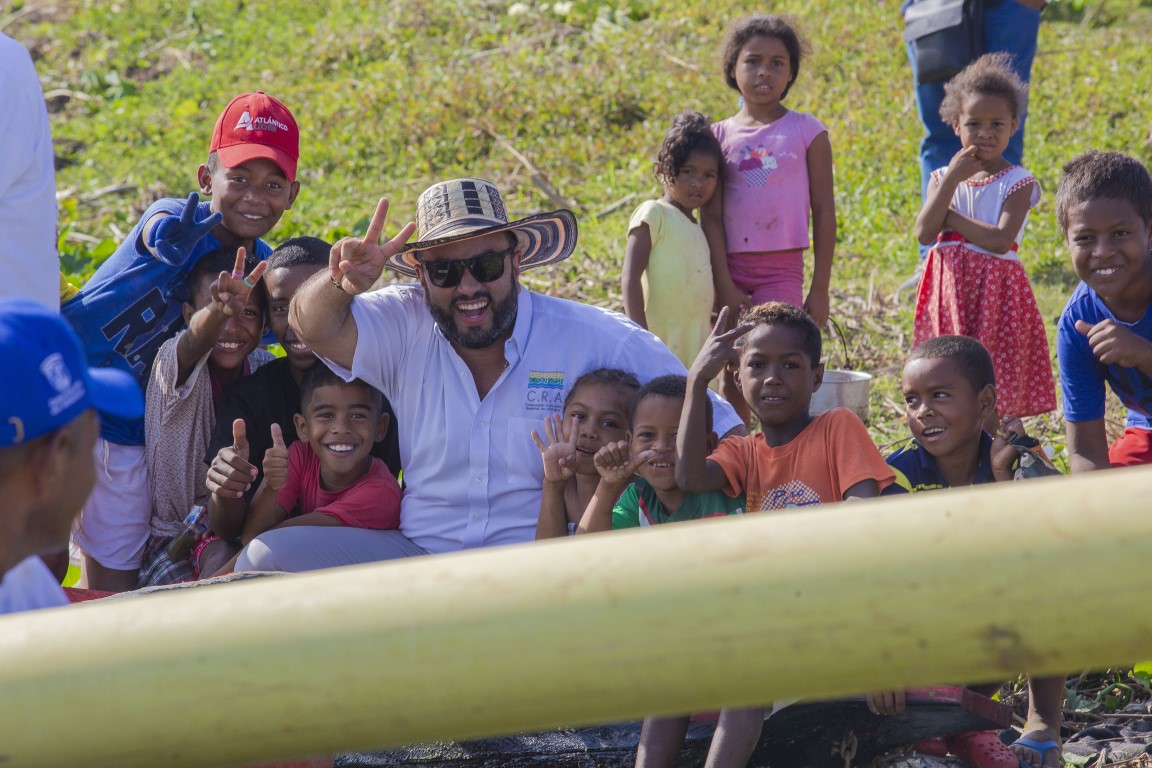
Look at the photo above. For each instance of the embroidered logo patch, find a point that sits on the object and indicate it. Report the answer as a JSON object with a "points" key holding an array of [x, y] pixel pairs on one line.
{"points": [[545, 392]]}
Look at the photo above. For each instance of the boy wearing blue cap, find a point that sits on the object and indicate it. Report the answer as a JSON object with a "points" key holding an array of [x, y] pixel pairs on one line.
{"points": [[48, 426]]}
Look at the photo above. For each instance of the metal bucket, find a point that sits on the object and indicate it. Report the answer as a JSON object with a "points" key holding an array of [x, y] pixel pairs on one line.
{"points": [[843, 389]]}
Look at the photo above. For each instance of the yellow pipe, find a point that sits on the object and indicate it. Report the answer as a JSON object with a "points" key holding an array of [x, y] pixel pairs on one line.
{"points": [[974, 585]]}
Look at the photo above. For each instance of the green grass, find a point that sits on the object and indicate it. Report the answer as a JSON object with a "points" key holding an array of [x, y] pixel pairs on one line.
{"points": [[393, 96]]}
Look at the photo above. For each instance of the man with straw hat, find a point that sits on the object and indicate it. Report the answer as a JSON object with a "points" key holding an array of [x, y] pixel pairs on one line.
{"points": [[471, 361]]}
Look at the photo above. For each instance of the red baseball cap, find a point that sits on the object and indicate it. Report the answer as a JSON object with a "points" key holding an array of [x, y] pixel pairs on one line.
{"points": [[256, 125]]}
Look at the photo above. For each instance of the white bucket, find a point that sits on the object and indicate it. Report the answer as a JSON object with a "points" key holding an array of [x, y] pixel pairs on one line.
{"points": [[843, 389]]}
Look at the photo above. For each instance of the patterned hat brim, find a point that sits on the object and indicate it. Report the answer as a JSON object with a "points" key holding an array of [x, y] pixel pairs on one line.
{"points": [[551, 237]]}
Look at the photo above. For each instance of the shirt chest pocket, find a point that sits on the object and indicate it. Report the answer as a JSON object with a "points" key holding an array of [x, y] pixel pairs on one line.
{"points": [[522, 461]]}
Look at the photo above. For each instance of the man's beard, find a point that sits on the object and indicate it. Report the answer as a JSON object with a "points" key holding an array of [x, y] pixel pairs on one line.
{"points": [[503, 318]]}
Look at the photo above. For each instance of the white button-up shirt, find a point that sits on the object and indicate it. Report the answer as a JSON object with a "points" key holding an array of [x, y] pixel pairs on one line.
{"points": [[472, 474]]}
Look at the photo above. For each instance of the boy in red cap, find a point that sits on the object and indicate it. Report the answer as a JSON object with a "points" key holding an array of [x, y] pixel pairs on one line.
{"points": [[132, 305]]}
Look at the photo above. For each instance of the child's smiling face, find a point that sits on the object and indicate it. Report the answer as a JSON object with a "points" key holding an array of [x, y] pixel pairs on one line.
{"points": [[777, 377], [341, 423], [945, 414], [1109, 243], [251, 198], [655, 424], [601, 412], [282, 284], [241, 335]]}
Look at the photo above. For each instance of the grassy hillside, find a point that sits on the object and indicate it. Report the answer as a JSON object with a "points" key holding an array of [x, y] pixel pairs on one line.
{"points": [[562, 101]]}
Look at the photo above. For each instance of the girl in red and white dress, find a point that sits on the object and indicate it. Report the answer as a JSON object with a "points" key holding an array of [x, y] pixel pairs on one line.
{"points": [[975, 212]]}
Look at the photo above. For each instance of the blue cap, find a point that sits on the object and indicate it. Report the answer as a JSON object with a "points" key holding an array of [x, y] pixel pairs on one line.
{"points": [[46, 381]]}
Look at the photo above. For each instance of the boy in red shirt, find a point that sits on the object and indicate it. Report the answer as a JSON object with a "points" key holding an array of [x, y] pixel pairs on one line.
{"points": [[328, 476]]}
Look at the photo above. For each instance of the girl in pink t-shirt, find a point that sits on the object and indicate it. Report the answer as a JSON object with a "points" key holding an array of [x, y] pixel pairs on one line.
{"points": [[778, 170]]}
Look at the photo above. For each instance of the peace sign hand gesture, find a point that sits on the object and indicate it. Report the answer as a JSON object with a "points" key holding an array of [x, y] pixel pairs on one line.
{"points": [[356, 263], [173, 237], [718, 350], [230, 292]]}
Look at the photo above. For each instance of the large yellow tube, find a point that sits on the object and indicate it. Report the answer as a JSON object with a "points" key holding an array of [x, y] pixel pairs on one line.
{"points": [[1042, 576]]}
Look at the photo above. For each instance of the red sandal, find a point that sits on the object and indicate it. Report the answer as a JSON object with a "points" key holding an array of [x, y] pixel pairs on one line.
{"points": [[982, 749]]}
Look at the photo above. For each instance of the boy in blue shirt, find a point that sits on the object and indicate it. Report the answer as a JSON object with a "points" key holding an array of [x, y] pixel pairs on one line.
{"points": [[1104, 207], [949, 394], [132, 305]]}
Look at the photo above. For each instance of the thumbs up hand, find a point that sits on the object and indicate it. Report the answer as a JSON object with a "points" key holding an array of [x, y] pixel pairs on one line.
{"points": [[276, 461], [231, 475]]}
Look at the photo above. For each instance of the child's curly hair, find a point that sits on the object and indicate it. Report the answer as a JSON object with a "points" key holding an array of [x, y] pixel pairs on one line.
{"points": [[625, 381], [789, 316], [766, 25], [1097, 175], [690, 132], [989, 75], [968, 355]]}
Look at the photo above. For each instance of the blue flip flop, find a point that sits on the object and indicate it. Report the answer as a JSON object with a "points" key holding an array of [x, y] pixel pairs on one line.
{"points": [[1043, 747]]}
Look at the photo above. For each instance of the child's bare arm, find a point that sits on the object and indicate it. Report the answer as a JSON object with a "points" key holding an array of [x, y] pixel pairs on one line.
{"points": [[712, 222], [311, 518], [558, 452], [931, 218], [1004, 455], [636, 255], [998, 237], [229, 478], [865, 489], [823, 201], [230, 295], [552, 522], [694, 473], [1087, 445], [616, 466], [264, 514]]}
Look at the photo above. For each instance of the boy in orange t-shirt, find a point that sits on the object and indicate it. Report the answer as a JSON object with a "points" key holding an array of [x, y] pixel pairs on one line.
{"points": [[796, 460]]}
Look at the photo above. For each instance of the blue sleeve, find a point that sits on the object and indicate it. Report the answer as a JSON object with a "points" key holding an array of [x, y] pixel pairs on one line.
{"points": [[1082, 384]]}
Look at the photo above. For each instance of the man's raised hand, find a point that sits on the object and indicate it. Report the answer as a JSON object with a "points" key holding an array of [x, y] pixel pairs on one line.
{"points": [[356, 263]]}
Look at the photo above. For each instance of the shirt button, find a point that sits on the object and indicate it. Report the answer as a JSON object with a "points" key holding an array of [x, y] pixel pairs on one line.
{"points": [[477, 518], [479, 478]]}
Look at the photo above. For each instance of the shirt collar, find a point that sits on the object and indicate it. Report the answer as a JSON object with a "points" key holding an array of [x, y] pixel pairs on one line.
{"points": [[929, 469]]}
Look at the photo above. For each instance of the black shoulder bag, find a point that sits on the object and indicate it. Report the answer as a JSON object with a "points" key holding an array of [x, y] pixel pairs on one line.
{"points": [[946, 36]]}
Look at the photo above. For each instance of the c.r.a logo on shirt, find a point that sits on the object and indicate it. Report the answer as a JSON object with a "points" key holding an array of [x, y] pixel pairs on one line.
{"points": [[545, 392]]}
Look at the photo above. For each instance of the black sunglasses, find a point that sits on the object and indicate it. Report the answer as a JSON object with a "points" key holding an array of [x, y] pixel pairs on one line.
{"points": [[485, 268]]}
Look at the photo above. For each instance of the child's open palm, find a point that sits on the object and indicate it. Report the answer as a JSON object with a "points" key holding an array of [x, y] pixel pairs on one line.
{"points": [[558, 448], [616, 464], [230, 292], [355, 264]]}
